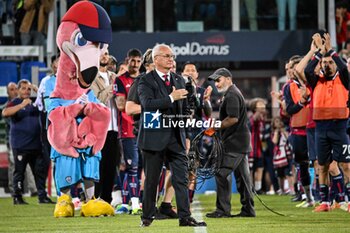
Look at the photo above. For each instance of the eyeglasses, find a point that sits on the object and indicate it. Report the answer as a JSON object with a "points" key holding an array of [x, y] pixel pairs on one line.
{"points": [[167, 56]]}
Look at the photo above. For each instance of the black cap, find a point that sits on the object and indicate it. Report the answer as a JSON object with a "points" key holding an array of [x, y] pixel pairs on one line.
{"points": [[220, 72]]}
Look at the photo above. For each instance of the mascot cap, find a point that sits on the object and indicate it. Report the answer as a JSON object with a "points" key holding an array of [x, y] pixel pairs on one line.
{"points": [[93, 21]]}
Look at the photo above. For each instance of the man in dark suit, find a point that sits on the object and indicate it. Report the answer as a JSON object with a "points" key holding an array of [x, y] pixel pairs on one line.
{"points": [[163, 101]]}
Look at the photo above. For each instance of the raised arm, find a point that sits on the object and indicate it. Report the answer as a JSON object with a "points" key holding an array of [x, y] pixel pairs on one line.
{"points": [[300, 67], [12, 110]]}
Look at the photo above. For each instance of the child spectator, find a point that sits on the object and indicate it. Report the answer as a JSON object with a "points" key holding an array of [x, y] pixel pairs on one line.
{"points": [[282, 152]]}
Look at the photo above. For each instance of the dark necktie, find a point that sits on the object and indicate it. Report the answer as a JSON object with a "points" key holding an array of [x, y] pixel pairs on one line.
{"points": [[166, 80]]}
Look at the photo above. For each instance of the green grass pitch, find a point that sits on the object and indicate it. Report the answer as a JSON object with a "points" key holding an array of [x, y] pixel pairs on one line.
{"points": [[39, 218]]}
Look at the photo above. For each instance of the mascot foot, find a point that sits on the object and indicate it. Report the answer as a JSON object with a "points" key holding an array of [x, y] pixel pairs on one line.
{"points": [[64, 207], [96, 208]]}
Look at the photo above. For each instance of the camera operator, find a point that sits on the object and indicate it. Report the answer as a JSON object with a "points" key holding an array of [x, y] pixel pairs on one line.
{"points": [[199, 102]]}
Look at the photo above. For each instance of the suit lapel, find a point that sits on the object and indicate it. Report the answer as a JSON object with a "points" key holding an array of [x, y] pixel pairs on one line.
{"points": [[175, 80], [159, 83]]}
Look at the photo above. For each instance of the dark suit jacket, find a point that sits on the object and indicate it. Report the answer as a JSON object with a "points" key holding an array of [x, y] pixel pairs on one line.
{"points": [[154, 96]]}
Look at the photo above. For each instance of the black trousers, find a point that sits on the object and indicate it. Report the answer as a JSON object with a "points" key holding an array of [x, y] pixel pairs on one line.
{"points": [[37, 163], [44, 141], [108, 166], [237, 163], [153, 163]]}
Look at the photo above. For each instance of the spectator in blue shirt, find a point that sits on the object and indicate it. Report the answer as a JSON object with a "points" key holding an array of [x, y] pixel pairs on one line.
{"points": [[25, 142]]}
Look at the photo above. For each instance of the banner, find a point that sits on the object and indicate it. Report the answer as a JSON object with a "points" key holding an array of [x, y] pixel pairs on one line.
{"points": [[218, 46]]}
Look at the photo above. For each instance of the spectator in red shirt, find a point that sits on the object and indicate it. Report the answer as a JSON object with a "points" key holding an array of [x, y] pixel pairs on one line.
{"points": [[121, 87], [342, 18], [256, 125]]}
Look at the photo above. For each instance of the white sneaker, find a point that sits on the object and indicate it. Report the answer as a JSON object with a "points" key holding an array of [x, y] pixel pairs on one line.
{"points": [[77, 203], [271, 192], [116, 198], [279, 192], [115, 203], [344, 206]]}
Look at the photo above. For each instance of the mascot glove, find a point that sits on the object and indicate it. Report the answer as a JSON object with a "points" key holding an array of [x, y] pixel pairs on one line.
{"points": [[93, 128], [83, 99], [63, 130]]}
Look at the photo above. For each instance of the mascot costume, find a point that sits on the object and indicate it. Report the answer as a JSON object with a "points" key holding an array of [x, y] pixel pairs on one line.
{"points": [[78, 123]]}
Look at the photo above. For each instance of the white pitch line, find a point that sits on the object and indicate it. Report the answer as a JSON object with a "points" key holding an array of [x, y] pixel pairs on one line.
{"points": [[197, 214]]}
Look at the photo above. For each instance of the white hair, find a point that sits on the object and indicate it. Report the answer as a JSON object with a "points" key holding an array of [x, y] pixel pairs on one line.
{"points": [[157, 47]]}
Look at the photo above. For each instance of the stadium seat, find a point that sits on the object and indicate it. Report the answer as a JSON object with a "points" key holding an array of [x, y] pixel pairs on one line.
{"points": [[8, 73], [26, 70]]}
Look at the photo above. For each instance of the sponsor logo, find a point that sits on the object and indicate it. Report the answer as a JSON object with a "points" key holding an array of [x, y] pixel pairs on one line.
{"points": [[151, 120], [156, 120], [216, 39], [69, 179], [195, 48], [115, 87]]}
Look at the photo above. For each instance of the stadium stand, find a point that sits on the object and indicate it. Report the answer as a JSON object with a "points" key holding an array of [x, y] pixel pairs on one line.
{"points": [[26, 70], [8, 73]]}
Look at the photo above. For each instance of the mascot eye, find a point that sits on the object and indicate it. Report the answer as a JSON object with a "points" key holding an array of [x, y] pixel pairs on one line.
{"points": [[80, 40], [101, 45]]}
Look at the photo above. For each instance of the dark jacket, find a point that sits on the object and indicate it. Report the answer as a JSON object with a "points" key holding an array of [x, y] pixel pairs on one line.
{"points": [[154, 96]]}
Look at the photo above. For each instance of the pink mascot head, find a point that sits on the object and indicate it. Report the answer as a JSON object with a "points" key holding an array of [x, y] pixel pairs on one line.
{"points": [[84, 33]]}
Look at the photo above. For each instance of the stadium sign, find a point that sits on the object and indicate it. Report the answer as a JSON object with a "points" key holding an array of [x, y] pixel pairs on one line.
{"points": [[217, 46], [195, 48]]}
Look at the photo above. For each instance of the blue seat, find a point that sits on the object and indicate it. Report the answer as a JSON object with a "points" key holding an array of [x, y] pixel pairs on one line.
{"points": [[26, 70], [8, 73]]}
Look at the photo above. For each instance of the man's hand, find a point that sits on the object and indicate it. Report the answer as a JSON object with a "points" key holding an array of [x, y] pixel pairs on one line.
{"points": [[207, 93], [277, 95], [34, 87], [317, 39], [259, 115], [179, 94], [26, 102], [327, 42], [313, 46]]}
